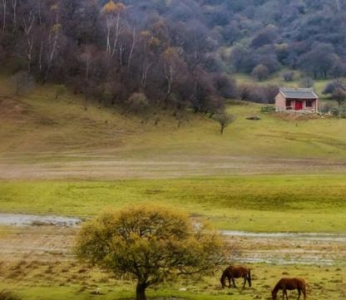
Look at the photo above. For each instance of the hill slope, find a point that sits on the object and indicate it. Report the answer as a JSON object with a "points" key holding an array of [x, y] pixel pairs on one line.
{"points": [[36, 128]]}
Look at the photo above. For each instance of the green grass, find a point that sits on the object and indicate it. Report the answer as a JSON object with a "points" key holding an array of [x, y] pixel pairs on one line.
{"points": [[253, 203], [52, 281]]}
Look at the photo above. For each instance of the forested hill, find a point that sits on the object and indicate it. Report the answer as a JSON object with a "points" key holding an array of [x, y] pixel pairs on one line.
{"points": [[172, 53]]}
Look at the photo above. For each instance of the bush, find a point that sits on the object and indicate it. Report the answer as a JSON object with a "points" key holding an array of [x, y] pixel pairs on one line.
{"points": [[326, 108], [138, 102], [258, 94], [22, 82], [260, 72], [7, 295], [60, 90], [335, 112], [338, 112], [332, 86], [288, 76], [267, 109], [306, 82]]}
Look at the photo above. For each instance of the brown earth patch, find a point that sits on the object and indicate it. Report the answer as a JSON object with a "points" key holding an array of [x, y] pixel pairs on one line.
{"points": [[13, 109], [99, 165], [47, 242]]}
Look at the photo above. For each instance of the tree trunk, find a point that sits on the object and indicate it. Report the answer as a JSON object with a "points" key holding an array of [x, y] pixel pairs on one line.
{"points": [[140, 291], [222, 128]]}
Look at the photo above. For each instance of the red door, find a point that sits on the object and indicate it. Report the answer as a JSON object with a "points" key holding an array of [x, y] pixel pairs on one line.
{"points": [[298, 105]]}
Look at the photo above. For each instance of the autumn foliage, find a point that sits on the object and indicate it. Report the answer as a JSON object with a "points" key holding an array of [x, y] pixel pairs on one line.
{"points": [[151, 244]]}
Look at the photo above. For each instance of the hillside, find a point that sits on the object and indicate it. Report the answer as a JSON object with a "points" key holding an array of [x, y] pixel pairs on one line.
{"points": [[177, 54], [36, 128]]}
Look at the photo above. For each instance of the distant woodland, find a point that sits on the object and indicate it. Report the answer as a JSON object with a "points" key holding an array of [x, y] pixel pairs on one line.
{"points": [[173, 54]]}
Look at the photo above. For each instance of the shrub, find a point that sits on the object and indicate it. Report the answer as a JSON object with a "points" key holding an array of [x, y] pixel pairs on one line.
{"points": [[335, 112], [306, 82], [138, 102], [267, 109], [60, 90], [288, 76], [326, 108], [332, 86], [7, 295], [260, 72]]}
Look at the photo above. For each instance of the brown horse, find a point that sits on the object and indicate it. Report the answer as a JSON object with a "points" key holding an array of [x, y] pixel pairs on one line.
{"points": [[285, 284], [232, 272]]}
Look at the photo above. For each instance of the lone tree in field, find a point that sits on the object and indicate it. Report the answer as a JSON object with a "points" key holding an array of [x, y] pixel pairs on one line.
{"points": [[153, 244], [224, 119]]}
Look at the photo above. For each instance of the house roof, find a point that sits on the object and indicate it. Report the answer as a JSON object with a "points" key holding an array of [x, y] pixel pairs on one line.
{"points": [[299, 93]]}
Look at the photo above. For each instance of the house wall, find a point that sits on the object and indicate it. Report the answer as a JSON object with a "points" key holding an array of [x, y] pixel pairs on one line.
{"points": [[280, 102], [315, 106]]}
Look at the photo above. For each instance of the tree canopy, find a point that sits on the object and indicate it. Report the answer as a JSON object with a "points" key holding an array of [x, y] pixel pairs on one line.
{"points": [[169, 51], [151, 244]]}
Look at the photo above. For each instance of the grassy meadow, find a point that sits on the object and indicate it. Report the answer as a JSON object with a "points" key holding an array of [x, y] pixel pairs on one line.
{"points": [[61, 280], [36, 126], [252, 203], [69, 157]]}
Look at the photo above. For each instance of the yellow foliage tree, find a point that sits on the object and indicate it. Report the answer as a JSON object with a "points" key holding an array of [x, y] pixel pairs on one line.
{"points": [[150, 243], [111, 7]]}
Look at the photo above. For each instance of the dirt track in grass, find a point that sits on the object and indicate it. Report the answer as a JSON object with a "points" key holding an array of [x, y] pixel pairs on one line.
{"points": [[101, 166]]}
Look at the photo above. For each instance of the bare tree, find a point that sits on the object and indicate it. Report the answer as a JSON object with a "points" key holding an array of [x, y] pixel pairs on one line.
{"points": [[27, 22], [4, 13], [171, 66], [14, 9]]}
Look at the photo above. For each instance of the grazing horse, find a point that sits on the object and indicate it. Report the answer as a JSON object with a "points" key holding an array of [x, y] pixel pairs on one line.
{"points": [[285, 284], [232, 272]]}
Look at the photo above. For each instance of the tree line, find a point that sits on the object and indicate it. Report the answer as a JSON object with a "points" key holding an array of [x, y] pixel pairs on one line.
{"points": [[173, 54], [118, 53]]}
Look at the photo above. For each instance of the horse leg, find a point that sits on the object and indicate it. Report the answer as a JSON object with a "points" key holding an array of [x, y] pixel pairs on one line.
{"points": [[284, 293], [244, 282], [233, 282], [298, 294]]}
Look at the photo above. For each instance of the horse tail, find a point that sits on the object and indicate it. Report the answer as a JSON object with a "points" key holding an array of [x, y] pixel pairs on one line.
{"points": [[249, 277], [304, 288]]}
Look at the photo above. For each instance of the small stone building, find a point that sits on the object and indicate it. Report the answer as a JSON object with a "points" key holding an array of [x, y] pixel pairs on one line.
{"points": [[296, 100]]}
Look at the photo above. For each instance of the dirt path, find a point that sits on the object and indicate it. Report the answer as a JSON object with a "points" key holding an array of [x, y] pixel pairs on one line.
{"points": [[109, 167]]}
